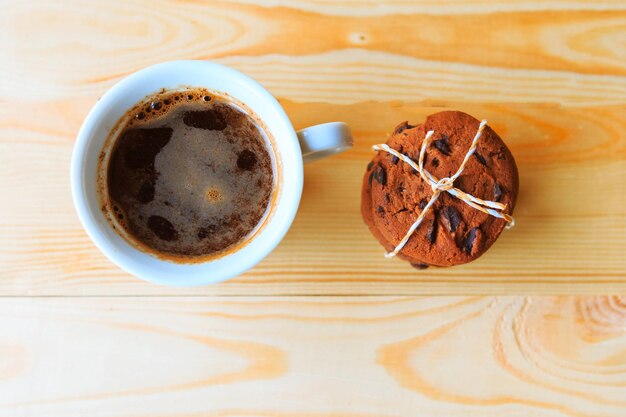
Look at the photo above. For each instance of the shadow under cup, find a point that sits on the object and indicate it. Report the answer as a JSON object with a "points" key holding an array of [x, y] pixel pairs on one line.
{"points": [[106, 120]]}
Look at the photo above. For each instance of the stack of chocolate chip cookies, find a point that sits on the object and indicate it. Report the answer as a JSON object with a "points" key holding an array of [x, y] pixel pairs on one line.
{"points": [[452, 232]]}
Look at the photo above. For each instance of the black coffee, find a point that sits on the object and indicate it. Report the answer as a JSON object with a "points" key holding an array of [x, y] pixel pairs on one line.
{"points": [[189, 175]]}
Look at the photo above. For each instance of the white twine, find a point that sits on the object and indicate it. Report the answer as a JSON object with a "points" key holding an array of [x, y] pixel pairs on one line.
{"points": [[444, 184]]}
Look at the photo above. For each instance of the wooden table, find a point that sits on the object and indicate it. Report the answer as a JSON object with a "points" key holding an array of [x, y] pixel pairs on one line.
{"points": [[326, 326]]}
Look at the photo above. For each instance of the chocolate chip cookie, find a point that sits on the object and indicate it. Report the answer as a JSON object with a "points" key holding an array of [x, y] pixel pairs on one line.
{"points": [[452, 232]]}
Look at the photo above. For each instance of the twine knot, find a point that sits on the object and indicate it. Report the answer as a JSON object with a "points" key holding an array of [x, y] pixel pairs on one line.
{"points": [[445, 185]]}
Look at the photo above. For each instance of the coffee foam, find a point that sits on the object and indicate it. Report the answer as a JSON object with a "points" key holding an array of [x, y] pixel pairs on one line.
{"points": [[160, 104], [194, 198]]}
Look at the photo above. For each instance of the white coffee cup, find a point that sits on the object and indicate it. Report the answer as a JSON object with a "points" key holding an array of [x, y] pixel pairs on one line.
{"points": [[291, 149]]}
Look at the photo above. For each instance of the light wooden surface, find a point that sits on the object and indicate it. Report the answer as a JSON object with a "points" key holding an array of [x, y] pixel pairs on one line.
{"points": [[324, 326], [550, 78], [312, 357]]}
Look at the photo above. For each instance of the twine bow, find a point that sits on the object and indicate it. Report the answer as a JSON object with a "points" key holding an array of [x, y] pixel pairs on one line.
{"points": [[444, 185]]}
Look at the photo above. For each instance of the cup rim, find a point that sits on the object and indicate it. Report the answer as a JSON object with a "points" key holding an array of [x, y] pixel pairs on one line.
{"points": [[162, 271]]}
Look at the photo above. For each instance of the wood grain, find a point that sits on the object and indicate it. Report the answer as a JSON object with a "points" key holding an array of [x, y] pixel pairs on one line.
{"points": [[564, 241], [314, 357], [434, 7], [576, 57], [549, 76]]}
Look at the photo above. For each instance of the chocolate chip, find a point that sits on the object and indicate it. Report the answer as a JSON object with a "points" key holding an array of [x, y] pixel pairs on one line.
{"points": [[369, 180], [442, 145], [480, 158], [435, 162], [500, 154], [451, 218], [380, 175], [394, 160], [497, 192], [387, 198], [162, 228], [431, 233], [380, 210], [420, 265], [467, 244], [423, 203], [401, 128], [370, 165]]}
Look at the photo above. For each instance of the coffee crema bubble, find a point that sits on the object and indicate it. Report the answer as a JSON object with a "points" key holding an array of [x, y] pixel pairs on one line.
{"points": [[190, 174]]}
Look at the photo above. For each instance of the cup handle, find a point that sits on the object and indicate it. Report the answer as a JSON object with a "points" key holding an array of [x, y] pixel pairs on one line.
{"points": [[324, 140]]}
